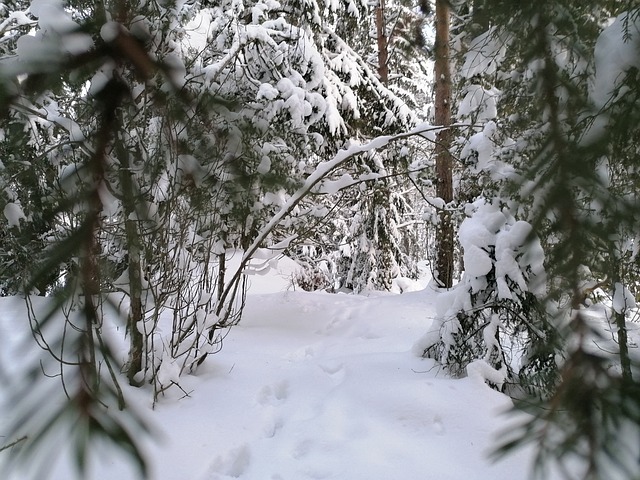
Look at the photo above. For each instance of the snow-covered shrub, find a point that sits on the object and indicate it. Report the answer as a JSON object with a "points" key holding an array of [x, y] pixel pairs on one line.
{"points": [[315, 272], [312, 279], [492, 322]]}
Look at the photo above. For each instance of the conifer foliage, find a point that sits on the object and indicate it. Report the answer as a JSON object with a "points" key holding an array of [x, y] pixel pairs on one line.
{"points": [[147, 155], [493, 323], [547, 102]]}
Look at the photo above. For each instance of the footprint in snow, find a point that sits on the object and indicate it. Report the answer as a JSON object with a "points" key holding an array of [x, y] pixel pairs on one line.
{"points": [[232, 464], [335, 371], [270, 397], [273, 394], [438, 426], [302, 449], [272, 426], [302, 353], [336, 322]]}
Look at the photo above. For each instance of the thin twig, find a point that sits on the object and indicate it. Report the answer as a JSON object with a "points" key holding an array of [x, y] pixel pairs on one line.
{"points": [[13, 444]]}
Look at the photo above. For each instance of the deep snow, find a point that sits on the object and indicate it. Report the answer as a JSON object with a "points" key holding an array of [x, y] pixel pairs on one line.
{"points": [[314, 386]]}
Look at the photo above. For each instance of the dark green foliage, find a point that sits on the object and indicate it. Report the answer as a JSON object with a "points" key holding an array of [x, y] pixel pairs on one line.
{"points": [[139, 163], [589, 417], [577, 154]]}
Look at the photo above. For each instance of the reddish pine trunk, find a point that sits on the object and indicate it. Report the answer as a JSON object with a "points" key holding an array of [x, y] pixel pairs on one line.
{"points": [[383, 54], [444, 185]]}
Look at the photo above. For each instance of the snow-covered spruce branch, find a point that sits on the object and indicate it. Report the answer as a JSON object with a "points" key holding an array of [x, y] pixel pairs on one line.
{"points": [[379, 87], [424, 130], [494, 305], [307, 233], [347, 181], [21, 20], [250, 34]]}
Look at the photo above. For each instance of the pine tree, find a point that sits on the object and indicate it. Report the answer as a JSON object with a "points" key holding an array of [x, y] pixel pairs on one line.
{"points": [[444, 167]]}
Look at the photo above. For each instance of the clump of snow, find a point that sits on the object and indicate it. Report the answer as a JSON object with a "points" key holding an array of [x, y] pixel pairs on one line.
{"points": [[617, 50], [76, 43], [57, 37], [176, 69], [52, 16], [485, 54], [188, 165], [482, 371], [480, 101], [169, 372], [492, 238], [502, 261], [278, 198], [264, 166], [480, 153], [13, 213], [267, 91], [31, 49], [101, 78], [333, 186], [623, 299]]}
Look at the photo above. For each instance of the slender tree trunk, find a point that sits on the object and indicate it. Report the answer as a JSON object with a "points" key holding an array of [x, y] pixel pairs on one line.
{"points": [[444, 185], [135, 316], [222, 273], [90, 270], [383, 44], [90, 278], [621, 324], [122, 14], [623, 344]]}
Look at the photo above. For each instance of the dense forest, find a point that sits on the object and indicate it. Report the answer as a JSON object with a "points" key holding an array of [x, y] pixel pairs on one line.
{"points": [[163, 150]]}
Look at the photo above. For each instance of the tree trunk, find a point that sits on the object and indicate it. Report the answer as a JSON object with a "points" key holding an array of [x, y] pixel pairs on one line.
{"points": [[383, 52], [621, 324], [444, 183], [122, 14], [135, 316], [623, 344]]}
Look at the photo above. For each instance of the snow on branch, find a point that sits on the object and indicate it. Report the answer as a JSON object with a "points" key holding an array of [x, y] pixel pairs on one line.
{"points": [[423, 130]]}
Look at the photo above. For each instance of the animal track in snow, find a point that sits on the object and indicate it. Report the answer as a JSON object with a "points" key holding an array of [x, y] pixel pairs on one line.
{"points": [[438, 426], [336, 323], [367, 334], [270, 397], [302, 353], [302, 449], [329, 327], [273, 426], [233, 464], [273, 394], [335, 371]]}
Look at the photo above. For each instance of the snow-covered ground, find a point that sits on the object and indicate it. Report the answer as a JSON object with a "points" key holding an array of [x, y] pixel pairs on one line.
{"points": [[318, 386]]}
